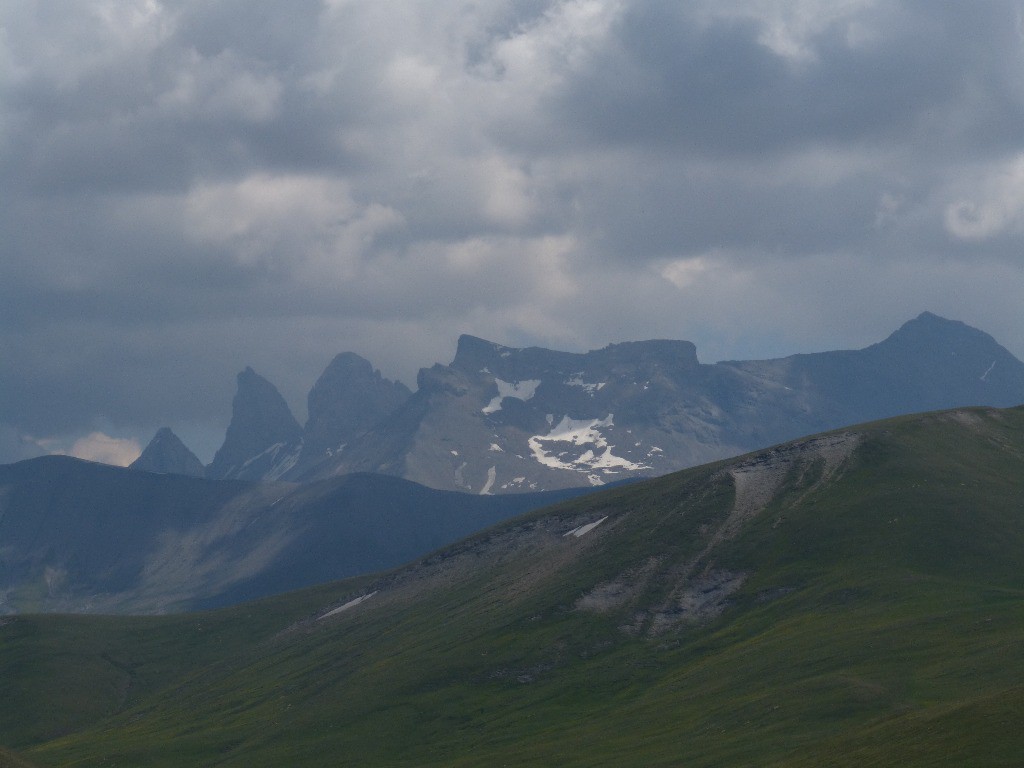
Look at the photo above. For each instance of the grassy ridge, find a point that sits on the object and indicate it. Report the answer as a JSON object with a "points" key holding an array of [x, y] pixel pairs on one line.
{"points": [[879, 623], [9, 759]]}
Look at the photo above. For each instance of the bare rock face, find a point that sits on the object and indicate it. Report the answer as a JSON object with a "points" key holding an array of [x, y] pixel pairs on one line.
{"points": [[505, 420], [348, 399], [263, 435], [166, 454]]}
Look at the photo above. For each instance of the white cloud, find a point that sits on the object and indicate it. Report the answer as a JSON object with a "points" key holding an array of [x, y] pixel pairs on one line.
{"points": [[994, 206], [683, 273], [302, 225], [100, 447], [790, 28], [221, 87]]}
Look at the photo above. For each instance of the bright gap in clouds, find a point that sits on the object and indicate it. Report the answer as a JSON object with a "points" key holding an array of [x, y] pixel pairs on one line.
{"points": [[100, 447]]}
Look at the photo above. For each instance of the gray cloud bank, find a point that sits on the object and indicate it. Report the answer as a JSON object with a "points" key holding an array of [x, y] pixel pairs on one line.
{"points": [[187, 188]]}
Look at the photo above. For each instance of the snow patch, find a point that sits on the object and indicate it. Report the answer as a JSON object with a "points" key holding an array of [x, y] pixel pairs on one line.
{"points": [[496, 448], [520, 390], [349, 604], [984, 376], [584, 529], [271, 450], [554, 450], [279, 469], [576, 380], [281, 464], [491, 474]]}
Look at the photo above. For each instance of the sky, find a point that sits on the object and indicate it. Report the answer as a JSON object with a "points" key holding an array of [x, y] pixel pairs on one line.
{"points": [[188, 187]]}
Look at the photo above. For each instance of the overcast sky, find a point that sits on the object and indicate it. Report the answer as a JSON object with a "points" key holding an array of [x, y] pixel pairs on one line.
{"points": [[188, 187]]}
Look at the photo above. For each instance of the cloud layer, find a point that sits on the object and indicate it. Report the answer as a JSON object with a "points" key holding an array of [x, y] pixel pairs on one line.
{"points": [[191, 187]]}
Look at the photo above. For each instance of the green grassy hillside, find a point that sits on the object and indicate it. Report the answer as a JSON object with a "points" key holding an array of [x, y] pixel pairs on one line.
{"points": [[853, 599]]}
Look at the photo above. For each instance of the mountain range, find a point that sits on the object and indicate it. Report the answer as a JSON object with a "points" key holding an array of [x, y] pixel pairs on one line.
{"points": [[284, 506], [500, 420], [846, 599]]}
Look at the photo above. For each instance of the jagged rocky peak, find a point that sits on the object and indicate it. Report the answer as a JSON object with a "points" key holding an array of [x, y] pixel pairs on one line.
{"points": [[349, 398], [954, 349], [966, 366], [928, 332], [441, 378], [166, 454], [262, 428]]}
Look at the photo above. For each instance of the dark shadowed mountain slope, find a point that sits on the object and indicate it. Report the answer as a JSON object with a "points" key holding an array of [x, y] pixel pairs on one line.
{"points": [[930, 363], [82, 537], [348, 399], [168, 455], [848, 599]]}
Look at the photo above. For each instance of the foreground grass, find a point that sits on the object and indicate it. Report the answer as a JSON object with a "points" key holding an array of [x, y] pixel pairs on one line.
{"points": [[855, 677]]}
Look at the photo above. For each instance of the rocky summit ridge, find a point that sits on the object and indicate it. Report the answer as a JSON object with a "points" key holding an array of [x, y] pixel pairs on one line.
{"points": [[501, 419]]}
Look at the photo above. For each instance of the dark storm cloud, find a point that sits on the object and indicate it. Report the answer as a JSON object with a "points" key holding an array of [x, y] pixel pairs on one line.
{"points": [[192, 187], [930, 73]]}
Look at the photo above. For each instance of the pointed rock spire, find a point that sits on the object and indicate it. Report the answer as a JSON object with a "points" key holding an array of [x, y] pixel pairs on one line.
{"points": [[262, 427], [166, 454], [349, 398]]}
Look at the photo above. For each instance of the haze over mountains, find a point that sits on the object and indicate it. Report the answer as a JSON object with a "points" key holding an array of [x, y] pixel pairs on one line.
{"points": [[505, 420]]}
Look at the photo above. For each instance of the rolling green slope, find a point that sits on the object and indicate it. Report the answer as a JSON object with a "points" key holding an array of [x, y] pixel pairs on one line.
{"points": [[9, 759], [850, 599]]}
